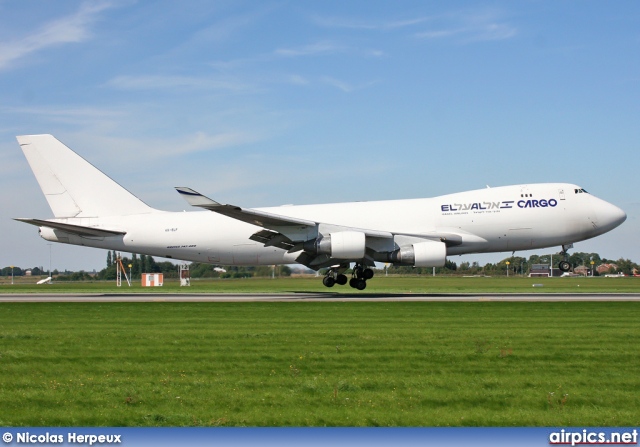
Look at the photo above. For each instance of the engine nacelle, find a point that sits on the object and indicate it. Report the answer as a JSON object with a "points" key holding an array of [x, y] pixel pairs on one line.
{"points": [[49, 234], [339, 245], [421, 254]]}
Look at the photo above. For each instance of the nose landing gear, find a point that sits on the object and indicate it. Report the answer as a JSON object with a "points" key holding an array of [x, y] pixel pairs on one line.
{"points": [[565, 265]]}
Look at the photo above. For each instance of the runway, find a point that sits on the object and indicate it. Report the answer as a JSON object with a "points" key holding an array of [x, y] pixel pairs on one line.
{"points": [[312, 297]]}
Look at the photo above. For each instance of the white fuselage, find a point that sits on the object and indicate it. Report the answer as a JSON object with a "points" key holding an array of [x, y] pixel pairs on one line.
{"points": [[509, 218]]}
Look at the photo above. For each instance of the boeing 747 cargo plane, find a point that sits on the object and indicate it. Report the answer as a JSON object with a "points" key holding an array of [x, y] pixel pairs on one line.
{"points": [[91, 209]]}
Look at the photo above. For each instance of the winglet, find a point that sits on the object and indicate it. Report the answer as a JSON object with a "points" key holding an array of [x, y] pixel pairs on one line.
{"points": [[194, 198]]}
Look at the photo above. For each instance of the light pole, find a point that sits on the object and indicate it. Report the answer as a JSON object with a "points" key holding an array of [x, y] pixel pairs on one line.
{"points": [[507, 268], [49, 260], [11, 275]]}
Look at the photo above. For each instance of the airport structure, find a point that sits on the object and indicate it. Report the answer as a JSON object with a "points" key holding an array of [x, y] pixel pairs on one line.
{"points": [[152, 279]]}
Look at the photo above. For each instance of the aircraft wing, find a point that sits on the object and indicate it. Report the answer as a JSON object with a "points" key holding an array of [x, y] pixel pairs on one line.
{"points": [[279, 231], [254, 217], [73, 229], [290, 233]]}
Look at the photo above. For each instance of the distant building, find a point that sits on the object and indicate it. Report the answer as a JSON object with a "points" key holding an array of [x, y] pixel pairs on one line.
{"points": [[545, 270], [606, 268], [582, 270], [539, 270]]}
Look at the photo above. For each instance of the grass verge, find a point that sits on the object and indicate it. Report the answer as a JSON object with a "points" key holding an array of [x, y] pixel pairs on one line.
{"points": [[316, 364], [379, 284]]}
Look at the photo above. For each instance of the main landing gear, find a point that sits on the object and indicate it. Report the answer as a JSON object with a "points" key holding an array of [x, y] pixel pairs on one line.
{"points": [[358, 280]]}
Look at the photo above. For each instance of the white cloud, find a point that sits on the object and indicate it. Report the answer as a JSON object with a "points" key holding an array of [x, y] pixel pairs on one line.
{"points": [[345, 86], [342, 85], [380, 25], [46, 118], [308, 50], [168, 82], [470, 27], [202, 141], [72, 112], [375, 53], [157, 147], [297, 80], [71, 29]]}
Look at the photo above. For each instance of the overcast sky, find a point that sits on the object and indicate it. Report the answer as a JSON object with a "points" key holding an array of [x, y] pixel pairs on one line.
{"points": [[261, 103]]}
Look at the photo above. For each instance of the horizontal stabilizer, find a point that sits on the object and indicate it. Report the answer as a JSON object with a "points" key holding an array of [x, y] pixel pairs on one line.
{"points": [[73, 229]]}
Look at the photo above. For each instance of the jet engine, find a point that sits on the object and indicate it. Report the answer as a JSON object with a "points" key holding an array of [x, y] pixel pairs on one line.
{"points": [[49, 234], [420, 254], [339, 245]]}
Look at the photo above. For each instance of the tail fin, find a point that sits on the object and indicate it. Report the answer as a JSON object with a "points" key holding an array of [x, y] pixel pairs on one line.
{"points": [[73, 186]]}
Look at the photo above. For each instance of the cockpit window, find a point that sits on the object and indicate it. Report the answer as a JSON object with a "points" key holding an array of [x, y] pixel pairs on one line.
{"points": [[580, 191]]}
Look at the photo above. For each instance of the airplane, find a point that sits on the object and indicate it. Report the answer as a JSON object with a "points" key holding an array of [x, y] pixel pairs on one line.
{"points": [[92, 210]]}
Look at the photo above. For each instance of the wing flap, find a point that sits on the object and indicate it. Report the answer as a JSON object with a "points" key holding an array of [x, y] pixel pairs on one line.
{"points": [[272, 239]]}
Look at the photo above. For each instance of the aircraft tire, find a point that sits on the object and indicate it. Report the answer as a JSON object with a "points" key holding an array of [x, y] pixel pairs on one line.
{"points": [[328, 281], [341, 279], [361, 284], [367, 274], [564, 266]]}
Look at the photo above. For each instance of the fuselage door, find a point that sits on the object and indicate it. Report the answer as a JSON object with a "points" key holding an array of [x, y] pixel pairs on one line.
{"points": [[561, 192]]}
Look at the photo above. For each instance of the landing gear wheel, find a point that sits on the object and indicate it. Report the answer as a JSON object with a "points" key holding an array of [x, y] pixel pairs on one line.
{"points": [[358, 283], [564, 266], [341, 279], [328, 281], [360, 276]]}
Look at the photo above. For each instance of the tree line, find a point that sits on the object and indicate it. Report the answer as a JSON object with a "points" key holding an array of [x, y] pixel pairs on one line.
{"points": [[518, 265], [135, 265]]}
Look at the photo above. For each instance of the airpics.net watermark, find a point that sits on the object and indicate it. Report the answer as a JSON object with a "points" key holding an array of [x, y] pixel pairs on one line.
{"points": [[592, 437], [69, 438]]}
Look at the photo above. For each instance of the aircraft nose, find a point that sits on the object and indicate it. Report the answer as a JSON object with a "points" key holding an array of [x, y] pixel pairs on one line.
{"points": [[611, 216]]}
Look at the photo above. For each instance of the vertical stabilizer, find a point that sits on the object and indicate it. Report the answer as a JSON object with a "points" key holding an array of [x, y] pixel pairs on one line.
{"points": [[73, 186]]}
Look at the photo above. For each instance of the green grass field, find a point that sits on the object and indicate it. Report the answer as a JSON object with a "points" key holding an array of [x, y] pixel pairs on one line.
{"points": [[315, 364], [379, 284]]}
